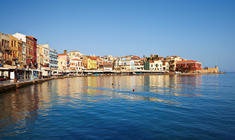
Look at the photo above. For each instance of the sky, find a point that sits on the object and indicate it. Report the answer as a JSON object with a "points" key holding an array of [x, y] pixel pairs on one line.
{"points": [[202, 30]]}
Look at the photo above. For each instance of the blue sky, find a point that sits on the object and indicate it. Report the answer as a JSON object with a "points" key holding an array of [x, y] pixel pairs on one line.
{"points": [[202, 30]]}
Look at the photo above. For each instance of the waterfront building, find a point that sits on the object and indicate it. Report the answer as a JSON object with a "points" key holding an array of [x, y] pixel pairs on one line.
{"points": [[75, 54], [29, 56], [44, 59], [31, 51], [148, 60], [172, 62], [22, 38], [24, 54], [100, 62], [127, 63], [53, 56], [108, 58], [106, 62], [5, 50], [19, 54], [139, 64], [156, 65], [63, 63], [15, 53], [75, 65], [39, 57], [146, 65], [75, 61], [90, 63], [165, 66], [188, 66], [108, 66]]}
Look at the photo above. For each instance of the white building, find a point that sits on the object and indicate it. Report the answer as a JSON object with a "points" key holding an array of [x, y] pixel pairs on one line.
{"points": [[75, 65], [156, 65], [44, 59], [165, 66]]}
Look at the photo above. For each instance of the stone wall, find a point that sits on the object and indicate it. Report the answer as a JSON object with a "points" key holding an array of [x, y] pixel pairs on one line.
{"points": [[210, 70]]}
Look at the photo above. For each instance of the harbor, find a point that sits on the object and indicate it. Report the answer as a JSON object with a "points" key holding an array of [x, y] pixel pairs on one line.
{"points": [[91, 107]]}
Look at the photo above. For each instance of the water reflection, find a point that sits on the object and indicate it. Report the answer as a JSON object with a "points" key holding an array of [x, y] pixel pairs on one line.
{"points": [[20, 108]]}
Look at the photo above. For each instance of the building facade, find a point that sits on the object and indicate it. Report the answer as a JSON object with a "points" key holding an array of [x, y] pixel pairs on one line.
{"points": [[44, 59], [22, 38], [90, 63], [75, 65], [53, 56], [63, 61], [31, 51], [156, 65], [75, 54], [172, 62], [188, 66], [16, 49], [5, 50]]}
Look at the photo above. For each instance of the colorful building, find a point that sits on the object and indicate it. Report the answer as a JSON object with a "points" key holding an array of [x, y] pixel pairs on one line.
{"points": [[172, 62], [5, 50], [44, 59], [90, 63], [16, 50], [31, 51], [63, 63], [44, 53], [75, 65], [127, 63], [188, 66], [20, 55], [156, 65], [22, 38], [165, 66]]}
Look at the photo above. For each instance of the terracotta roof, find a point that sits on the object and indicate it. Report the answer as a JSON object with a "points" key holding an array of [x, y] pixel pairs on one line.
{"points": [[31, 37], [75, 59], [62, 54], [92, 57], [188, 61]]}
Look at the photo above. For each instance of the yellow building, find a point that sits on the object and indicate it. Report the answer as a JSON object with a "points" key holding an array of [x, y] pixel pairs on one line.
{"points": [[14, 49], [90, 63], [19, 53], [39, 56]]}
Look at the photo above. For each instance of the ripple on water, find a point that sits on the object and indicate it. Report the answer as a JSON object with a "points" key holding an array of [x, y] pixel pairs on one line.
{"points": [[162, 107]]}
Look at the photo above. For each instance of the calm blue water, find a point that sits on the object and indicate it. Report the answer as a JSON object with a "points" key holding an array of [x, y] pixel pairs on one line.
{"points": [[162, 107]]}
